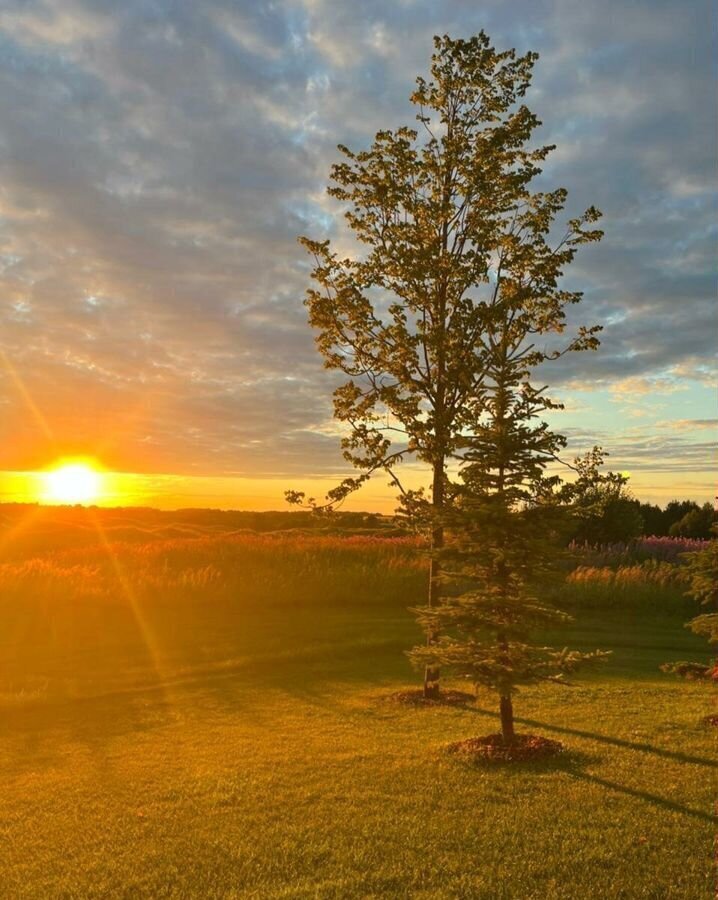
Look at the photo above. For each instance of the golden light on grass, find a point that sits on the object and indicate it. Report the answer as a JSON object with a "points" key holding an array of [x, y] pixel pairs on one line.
{"points": [[73, 481]]}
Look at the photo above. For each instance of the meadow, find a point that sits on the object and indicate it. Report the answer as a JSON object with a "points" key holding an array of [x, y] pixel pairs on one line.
{"points": [[209, 716]]}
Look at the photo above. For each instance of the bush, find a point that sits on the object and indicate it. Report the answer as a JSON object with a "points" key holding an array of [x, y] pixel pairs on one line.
{"points": [[667, 549]]}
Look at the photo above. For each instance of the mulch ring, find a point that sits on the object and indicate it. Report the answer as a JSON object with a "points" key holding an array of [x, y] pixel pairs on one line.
{"points": [[415, 697], [491, 748], [710, 721]]}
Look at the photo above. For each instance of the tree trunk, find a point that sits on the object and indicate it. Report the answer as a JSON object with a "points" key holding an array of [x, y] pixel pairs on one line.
{"points": [[507, 720], [506, 707], [431, 673]]}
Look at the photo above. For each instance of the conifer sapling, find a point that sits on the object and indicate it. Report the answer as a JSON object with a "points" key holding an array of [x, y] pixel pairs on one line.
{"points": [[499, 542]]}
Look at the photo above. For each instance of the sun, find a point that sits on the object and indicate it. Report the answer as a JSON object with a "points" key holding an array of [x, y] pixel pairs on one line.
{"points": [[72, 482]]}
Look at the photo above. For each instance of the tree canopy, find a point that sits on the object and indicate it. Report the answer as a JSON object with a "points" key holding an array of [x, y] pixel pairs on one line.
{"points": [[448, 228]]}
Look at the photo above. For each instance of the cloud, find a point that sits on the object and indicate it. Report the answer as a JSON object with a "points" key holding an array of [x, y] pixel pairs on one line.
{"points": [[636, 387], [648, 449], [157, 161], [690, 424]]}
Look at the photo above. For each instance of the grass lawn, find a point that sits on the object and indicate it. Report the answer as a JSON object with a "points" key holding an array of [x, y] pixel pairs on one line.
{"points": [[251, 753]]}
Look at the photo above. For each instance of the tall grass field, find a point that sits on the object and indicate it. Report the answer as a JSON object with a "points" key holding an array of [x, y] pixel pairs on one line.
{"points": [[208, 716]]}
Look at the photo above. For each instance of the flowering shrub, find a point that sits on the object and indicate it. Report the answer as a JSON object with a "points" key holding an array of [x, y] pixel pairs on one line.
{"points": [[668, 549]]}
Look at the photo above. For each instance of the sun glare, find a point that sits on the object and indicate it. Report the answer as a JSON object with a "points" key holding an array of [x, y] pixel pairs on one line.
{"points": [[72, 482]]}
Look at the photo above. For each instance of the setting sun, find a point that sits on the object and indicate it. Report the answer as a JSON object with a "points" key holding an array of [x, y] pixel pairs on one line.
{"points": [[72, 482]]}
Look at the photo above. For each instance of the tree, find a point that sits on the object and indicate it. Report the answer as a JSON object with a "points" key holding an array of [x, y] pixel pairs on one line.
{"points": [[653, 519], [701, 570], [503, 528], [675, 510], [602, 507], [696, 523], [448, 225]]}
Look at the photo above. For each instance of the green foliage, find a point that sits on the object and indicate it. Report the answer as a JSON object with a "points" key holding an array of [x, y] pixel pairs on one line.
{"points": [[504, 520], [602, 509], [458, 266], [621, 518], [702, 572], [653, 518], [696, 523], [674, 511], [658, 521], [449, 228], [706, 624]]}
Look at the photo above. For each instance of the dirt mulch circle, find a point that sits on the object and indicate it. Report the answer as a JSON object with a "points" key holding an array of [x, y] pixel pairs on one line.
{"points": [[491, 748], [415, 697], [711, 721]]}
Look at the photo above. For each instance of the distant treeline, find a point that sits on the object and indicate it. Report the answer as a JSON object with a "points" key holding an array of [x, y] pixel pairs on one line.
{"points": [[624, 519], [679, 518], [26, 529], [203, 519]]}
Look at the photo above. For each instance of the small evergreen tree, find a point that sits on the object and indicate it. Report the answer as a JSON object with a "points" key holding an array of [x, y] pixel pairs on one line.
{"points": [[502, 522], [702, 572]]}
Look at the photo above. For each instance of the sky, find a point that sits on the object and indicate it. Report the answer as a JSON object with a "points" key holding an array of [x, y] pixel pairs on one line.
{"points": [[158, 160]]}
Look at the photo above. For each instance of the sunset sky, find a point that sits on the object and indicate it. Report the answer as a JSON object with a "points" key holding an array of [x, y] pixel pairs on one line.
{"points": [[158, 160]]}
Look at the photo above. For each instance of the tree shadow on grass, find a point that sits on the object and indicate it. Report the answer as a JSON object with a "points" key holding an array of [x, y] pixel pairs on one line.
{"points": [[35, 734], [573, 763], [568, 760], [38, 735], [656, 799], [613, 741]]}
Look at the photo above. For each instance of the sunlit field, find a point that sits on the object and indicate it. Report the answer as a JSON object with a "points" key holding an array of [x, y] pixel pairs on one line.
{"points": [[208, 717]]}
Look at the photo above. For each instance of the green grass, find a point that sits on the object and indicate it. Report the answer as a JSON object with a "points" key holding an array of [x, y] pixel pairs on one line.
{"points": [[237, 750], [209, 719]]}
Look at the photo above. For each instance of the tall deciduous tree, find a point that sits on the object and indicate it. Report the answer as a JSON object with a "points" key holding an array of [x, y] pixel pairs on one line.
{"points": [[447, 225], [602, 507]]}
